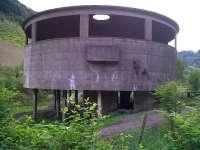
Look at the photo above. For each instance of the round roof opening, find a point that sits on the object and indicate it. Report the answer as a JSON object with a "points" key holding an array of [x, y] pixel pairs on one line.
{"points": [[101, 17]]}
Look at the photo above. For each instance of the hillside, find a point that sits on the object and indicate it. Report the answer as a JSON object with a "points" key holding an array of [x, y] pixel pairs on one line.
{"points": [[12, 38], [190, 59], [14, 11], [10, 55], [12, 33]]}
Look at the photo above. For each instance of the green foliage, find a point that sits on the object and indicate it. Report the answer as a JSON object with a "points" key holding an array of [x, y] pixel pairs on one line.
{"points": [[5, 96], [180, 69], [11, 77], [12, 14], [14, 11], [84, 109], [194, 79], [78, 133], [190, 59], [12, 33], [187, 133], [170, 96]]}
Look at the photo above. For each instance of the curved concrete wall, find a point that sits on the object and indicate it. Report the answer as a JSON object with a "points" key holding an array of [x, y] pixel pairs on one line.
{"points": [[79, 64]]}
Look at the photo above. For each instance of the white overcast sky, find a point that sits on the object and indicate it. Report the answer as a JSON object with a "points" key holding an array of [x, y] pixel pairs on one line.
{"points": [[185, 12]]}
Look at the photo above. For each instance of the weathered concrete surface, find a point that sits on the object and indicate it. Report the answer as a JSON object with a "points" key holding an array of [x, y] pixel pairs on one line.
{"points": [[63, 64]]}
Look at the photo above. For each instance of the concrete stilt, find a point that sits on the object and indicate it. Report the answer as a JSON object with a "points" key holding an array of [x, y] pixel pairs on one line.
{"points": [[35, 101], [99, 103], [76, 96], [64, 93], [65, 97], [70, 93], [55, 101], [58, 108]]}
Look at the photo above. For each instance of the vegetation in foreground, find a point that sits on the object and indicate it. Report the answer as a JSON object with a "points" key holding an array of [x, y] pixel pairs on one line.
{"points": [[81, 126]]}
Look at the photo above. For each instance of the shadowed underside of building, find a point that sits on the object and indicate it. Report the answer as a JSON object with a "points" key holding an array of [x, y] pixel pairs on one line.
{"points": [[105, 58]]}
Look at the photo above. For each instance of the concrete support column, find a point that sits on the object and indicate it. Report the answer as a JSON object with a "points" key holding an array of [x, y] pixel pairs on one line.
{"points": [[76, 96], [55, 99], [175, 42], [65, 97], [84, 25], [34, 32], [148, 30], [70, 93], [35, 101], [58, 108], [143, 101], [99, 103], [64, 93]]}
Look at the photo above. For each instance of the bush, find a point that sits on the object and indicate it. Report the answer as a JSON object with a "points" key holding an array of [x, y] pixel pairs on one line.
{"points": [[78, 133], [194, 79], [187, 133], [170, 96]]}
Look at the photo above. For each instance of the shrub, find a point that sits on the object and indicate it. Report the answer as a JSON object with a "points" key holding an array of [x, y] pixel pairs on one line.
{"points": [[194, 79], [186, 136], [170, 97]]}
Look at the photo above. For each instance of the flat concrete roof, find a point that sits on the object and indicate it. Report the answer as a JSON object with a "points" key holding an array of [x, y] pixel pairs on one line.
{"points": [[105, 7]]}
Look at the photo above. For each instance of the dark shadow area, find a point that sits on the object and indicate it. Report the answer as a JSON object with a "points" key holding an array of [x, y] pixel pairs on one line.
{"points": [[59, 27], [162, 33], [117, 26]]}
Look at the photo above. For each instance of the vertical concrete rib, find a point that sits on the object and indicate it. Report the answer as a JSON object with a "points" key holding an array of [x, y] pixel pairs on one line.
{"points": [[34, 32], [84, 25], [148, 30]]}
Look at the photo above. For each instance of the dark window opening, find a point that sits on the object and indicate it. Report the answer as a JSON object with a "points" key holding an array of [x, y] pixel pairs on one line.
{"points": [[117, 26], [59, 27], [162, 33]]}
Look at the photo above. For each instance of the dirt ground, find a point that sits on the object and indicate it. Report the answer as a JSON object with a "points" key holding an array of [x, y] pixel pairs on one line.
{"points": [[133, 122]]}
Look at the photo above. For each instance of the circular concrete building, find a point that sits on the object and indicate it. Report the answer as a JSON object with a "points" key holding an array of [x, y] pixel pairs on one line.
{"points": [[102, 51]]}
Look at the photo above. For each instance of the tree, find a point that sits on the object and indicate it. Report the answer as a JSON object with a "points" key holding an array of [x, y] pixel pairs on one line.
{"points": [[180, 69], [194, 79]]}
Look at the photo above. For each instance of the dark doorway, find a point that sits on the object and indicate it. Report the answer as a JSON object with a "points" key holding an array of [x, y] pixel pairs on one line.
{"points": [[125, 102]]}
